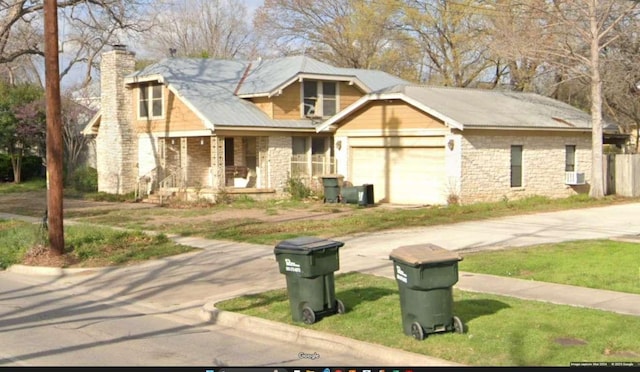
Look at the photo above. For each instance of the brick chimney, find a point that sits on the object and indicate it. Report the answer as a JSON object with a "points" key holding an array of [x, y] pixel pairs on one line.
{"points": [[116, 147]]}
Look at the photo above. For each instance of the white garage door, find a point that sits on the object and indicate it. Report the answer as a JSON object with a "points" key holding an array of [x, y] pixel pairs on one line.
{"points": [[401, 175]]}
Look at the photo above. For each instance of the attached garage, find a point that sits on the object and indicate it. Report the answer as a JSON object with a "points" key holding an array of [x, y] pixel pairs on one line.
{"points": [[437, 145], [400, 175]]}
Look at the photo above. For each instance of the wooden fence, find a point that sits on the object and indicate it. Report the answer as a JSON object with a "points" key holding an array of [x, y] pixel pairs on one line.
{"points": [[622, 174]]}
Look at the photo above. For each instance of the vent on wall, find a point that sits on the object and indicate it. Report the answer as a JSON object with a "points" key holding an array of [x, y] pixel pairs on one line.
{"points": [[574, 178]]}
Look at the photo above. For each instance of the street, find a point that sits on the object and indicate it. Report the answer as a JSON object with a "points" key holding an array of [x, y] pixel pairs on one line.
{"points": [[41, 325]]}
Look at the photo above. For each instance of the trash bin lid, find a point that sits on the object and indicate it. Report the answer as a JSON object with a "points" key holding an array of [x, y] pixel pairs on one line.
{"points": [[416, 255], [305, 245]]}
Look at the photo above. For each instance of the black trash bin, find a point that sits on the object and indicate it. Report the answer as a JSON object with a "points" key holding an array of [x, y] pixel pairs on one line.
{"points": [[308, 264], [425, 274]]}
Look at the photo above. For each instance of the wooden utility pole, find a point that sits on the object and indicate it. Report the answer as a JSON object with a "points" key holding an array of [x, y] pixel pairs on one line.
{"points": [[54, 129]]}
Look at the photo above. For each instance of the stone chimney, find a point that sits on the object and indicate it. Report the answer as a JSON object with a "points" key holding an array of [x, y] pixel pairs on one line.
{"points": [[116, 147]]}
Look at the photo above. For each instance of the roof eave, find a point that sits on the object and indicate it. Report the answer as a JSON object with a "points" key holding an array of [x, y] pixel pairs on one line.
{"points": [[144, 79], [207, 124], [327, 125]]}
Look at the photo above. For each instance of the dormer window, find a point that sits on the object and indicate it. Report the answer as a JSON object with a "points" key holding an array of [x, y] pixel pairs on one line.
{"points": [[150, 101], [320, 98]]}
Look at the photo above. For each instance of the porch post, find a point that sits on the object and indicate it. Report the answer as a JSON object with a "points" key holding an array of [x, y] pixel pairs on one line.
{"points": [[217, 162], [184, 162]]}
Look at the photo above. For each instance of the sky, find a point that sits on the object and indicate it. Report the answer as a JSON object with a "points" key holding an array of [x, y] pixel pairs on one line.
{"points": [[77, 74]]}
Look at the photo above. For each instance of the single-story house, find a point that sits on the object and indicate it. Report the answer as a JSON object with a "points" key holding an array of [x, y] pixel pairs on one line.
{"points": [[436, 145], [210, 125]]}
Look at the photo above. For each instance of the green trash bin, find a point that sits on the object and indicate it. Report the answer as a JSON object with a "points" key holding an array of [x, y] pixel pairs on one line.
{"points": [[425, 274], [308, 264], [332, 184], [361, 195]]}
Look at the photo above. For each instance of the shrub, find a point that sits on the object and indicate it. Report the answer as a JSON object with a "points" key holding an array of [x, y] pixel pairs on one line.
{"points": [[297, 189], [85, 179]]}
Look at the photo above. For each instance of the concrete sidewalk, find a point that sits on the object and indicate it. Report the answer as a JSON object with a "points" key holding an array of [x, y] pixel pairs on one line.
{"points": [[190, 285]]}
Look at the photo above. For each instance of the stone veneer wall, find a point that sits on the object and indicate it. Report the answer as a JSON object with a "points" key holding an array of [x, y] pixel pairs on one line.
{"points": [[199, 162], [486, 165], [116, 143], [279, 162]]}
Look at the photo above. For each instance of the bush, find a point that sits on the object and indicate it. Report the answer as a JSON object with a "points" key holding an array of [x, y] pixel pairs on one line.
{"points": [[31, 168], [297, 189], [85, 179]]}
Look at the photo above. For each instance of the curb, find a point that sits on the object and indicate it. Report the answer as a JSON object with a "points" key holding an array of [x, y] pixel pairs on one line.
{"points": [[54, 271], [311, 338]]}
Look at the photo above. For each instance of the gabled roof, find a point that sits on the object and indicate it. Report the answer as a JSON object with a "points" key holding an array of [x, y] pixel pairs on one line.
{"points": [[466, 108], [268, 77], [214, 89], [207, 87]]}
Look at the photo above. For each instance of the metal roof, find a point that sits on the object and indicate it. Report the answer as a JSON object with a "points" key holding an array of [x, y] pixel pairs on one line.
{"points": [[478, 108], [466, 108], [266, 76], [211, 88]]}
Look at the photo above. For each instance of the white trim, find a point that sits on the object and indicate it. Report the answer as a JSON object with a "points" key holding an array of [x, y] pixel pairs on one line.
{"points": [[413, 132], [89, 128], [205, 121], [386, 96], [479, 127], [177, 134], [150, 99], [319, 98], [349, 79], [144, 79], [264, 129]]}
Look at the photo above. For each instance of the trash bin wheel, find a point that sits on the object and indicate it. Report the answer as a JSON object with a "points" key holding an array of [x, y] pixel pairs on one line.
{"points": [[340, 307], [416, 331], [308, 316], [458, 327]]}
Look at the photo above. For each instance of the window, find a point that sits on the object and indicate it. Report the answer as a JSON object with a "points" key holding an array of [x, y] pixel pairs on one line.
{"points": [[319, 98], [570, 158], [516, 166], [150, 101], [312, 156]]}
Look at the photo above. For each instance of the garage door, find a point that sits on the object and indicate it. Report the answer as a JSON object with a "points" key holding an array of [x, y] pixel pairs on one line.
{"points": [[401, 175]]}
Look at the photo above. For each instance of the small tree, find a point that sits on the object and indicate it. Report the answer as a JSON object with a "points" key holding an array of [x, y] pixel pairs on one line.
{"points": [[21, 122], [74, 116]]}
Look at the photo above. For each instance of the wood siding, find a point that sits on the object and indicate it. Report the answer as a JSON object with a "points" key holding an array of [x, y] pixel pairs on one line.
{"points": [[348, 95], [287, 105], [177, 116], [265, 104], [389, 116]]}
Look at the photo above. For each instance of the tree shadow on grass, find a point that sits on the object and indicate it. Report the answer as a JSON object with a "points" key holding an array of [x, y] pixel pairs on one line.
{"points": [[467, 310]]}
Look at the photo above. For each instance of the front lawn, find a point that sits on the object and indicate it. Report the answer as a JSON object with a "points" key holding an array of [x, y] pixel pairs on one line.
{"points": [[601, 264], [501, 331]]}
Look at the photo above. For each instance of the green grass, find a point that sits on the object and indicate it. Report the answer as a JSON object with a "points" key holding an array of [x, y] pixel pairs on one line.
{"points": [[501, 331], [31, 185], [602, 264], [86, 245], [16, 237], [352, 220]]}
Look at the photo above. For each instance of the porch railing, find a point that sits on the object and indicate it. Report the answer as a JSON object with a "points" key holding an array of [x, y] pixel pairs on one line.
{"points": [[147, 184]]}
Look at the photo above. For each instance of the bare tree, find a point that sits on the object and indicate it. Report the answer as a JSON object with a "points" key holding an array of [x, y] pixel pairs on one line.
{"points": [[87, 26], [203, 28], [74, 117], [584, 29], [454, 38], [346, 33], [621, 78]]}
